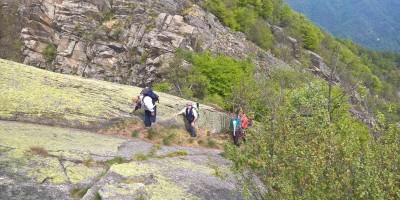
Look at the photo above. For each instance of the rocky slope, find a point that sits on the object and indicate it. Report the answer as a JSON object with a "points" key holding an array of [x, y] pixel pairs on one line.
{"points": [[50, 162], [33, 95], [41, 162], [125, 41]]}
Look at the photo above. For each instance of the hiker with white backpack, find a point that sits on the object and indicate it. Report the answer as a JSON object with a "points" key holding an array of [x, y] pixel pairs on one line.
{"points": [[147, 99]]}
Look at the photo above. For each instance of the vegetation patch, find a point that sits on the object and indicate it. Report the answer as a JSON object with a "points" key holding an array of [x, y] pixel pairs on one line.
{"points": [[116, 160], [78, 193], [38, 150], [141, 156], [177, 153], [50, 52]]}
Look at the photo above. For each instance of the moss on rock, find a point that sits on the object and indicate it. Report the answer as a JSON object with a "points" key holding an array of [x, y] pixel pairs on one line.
{"points": [[78, 173], [59, 141], [134, 169], [35, 95]]}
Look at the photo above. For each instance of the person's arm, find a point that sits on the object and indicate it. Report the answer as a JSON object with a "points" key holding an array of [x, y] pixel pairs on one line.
{"points": [[234, 127], [148, 103], [182, 112]]}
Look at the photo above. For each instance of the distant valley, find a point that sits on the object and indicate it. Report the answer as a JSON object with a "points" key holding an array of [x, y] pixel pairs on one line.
{"points": [[372, 23]]}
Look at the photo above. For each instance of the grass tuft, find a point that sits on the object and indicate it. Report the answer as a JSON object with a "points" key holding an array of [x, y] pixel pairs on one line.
{"points": [[135, 134], [78, 193], [177, 153], [141, 156], [38, 150], [152, 134], [116, 160]]}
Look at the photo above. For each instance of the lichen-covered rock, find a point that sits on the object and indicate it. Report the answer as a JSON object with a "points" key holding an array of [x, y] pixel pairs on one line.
{"points": [[34, 95], [35, 163]]}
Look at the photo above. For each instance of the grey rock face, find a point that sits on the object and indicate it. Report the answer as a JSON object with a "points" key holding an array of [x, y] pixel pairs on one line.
{"points": [[126, 41]]}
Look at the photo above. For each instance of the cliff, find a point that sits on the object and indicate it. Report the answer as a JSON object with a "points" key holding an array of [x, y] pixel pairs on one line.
{"points": [[126, 42]]}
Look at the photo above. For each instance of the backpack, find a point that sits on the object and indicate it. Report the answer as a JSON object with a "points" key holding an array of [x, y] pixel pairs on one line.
{"points": [[236, 122], [149, 92], [250, 123]]}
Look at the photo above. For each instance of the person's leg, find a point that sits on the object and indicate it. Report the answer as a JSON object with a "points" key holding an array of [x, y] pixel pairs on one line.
{"points": [[154, 117], [147, 120], [192, 130], [235, 139]]}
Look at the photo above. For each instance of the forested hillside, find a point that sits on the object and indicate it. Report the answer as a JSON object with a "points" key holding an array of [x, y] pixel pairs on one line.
{"points": [[373, 23]]}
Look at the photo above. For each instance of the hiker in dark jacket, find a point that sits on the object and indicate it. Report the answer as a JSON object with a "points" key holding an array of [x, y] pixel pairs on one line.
{"points": [[191, 115], [149, 108], [149, 111]]}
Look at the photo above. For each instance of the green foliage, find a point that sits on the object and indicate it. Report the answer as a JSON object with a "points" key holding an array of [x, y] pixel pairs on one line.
{"points": [[144, 57], [97, 197], [135, 133], [162, 87], [108, 16], [311, 36], [152, 134], [177, 153], [50, 52], [212, 143], [116, 160], [260, 34], [78, 193], [167, 141], [305, 156], [222, 71], [224, 13], [247, 17], [141, 156], [209, 77]]}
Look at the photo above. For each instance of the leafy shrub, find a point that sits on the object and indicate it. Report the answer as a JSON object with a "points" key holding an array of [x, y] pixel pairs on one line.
{"points": [[306, 156], [260, 34], [50, 52]]}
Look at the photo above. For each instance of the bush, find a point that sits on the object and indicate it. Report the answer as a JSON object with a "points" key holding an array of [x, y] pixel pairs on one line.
{"points": [[50, 52], [305, 156]]}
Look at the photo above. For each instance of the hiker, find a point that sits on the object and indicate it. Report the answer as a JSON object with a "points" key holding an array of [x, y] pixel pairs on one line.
{"points": [[147, 99], [191, 115], [236, 127], [136, 103], [245, 125]]}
